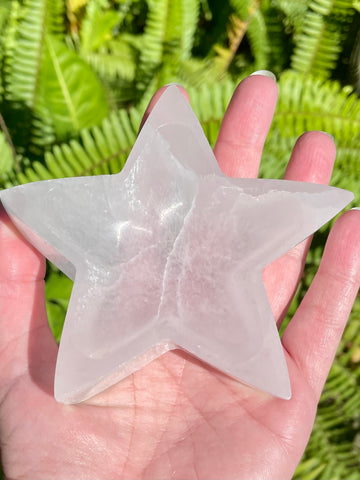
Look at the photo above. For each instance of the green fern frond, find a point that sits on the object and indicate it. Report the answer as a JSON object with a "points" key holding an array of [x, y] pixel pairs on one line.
{"points": [[104, 149], [300, 108], [257, 34], [43, 133], [332, 440], [162, 37], [21, 74], [168, 38], [190, 16], [23, 65], [24, 52], [196, 72], [320, 41], [97, 26], [7, 160], [294, 12], [209, 102], [117, 60], [4, 18], [308, 103], [245, 8], [278, 39], [10, 34], [111, 53], [55, 19], [100, 150]]}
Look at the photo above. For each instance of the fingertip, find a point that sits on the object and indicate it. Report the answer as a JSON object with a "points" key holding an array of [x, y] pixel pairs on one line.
{"points": [[318, 137], [264, 82], [312, 159]]}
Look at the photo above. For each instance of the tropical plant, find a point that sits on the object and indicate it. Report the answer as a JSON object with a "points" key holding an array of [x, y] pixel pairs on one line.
{"points": [[75, 78]]}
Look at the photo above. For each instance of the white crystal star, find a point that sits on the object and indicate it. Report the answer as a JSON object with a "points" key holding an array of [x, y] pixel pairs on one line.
{"points": [[168, 254]]}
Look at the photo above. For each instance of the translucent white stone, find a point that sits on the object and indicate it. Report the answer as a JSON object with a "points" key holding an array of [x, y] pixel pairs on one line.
{"points": [[168, 254]]}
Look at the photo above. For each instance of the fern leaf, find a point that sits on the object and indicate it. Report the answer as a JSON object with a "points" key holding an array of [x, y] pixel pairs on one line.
{"points": [[97, 26], [277, 38], [101, 150], [55, 18], [294, 12], [70, 108], [307, 103], [24, 64], [209, 103], [24, 53], [117, 60], [257, 35], [5, 10], [7, 160], [245, 8], [190, 17], [197, 72], [168, 38], [22, 74], [319, 43]]}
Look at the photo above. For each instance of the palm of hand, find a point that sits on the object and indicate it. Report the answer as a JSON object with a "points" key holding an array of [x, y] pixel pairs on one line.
{"points": [[174, 419], [177, 418]]}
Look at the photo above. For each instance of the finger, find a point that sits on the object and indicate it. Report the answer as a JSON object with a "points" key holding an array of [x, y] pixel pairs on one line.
{"points": [[312, 160], [156, 97], [22, 305], [245, 126], [313, 335]]}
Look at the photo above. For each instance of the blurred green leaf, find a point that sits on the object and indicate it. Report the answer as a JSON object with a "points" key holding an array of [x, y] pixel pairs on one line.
{"points": [[69, 107], [58, 289]]}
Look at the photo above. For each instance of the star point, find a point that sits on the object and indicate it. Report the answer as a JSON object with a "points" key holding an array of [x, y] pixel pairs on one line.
{"points": [[168, 254]]}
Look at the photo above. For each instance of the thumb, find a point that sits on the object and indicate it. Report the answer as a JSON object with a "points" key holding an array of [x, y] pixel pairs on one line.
{"points": [[22, 304]]}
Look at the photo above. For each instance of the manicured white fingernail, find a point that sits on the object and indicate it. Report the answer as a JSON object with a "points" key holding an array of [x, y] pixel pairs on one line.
{"points": [[328, 134], [265, 73]]}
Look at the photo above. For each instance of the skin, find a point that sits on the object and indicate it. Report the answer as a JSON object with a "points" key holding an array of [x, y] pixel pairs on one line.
{"points": [[177, 418]]}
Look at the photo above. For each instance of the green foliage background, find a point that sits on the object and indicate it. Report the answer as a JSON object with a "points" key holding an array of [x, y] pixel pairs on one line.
{"points": [[75, 78]]}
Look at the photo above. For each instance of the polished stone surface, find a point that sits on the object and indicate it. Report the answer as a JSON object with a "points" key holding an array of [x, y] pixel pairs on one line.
{"points": [[168, 254]]}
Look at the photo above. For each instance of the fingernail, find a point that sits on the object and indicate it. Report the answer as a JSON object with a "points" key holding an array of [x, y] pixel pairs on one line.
{"points": [[264, 73], [355, 208], [328, 134]]}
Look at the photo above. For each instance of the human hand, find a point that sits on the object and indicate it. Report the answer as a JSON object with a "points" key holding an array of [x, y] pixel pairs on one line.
{"points": [[176, 417]]}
